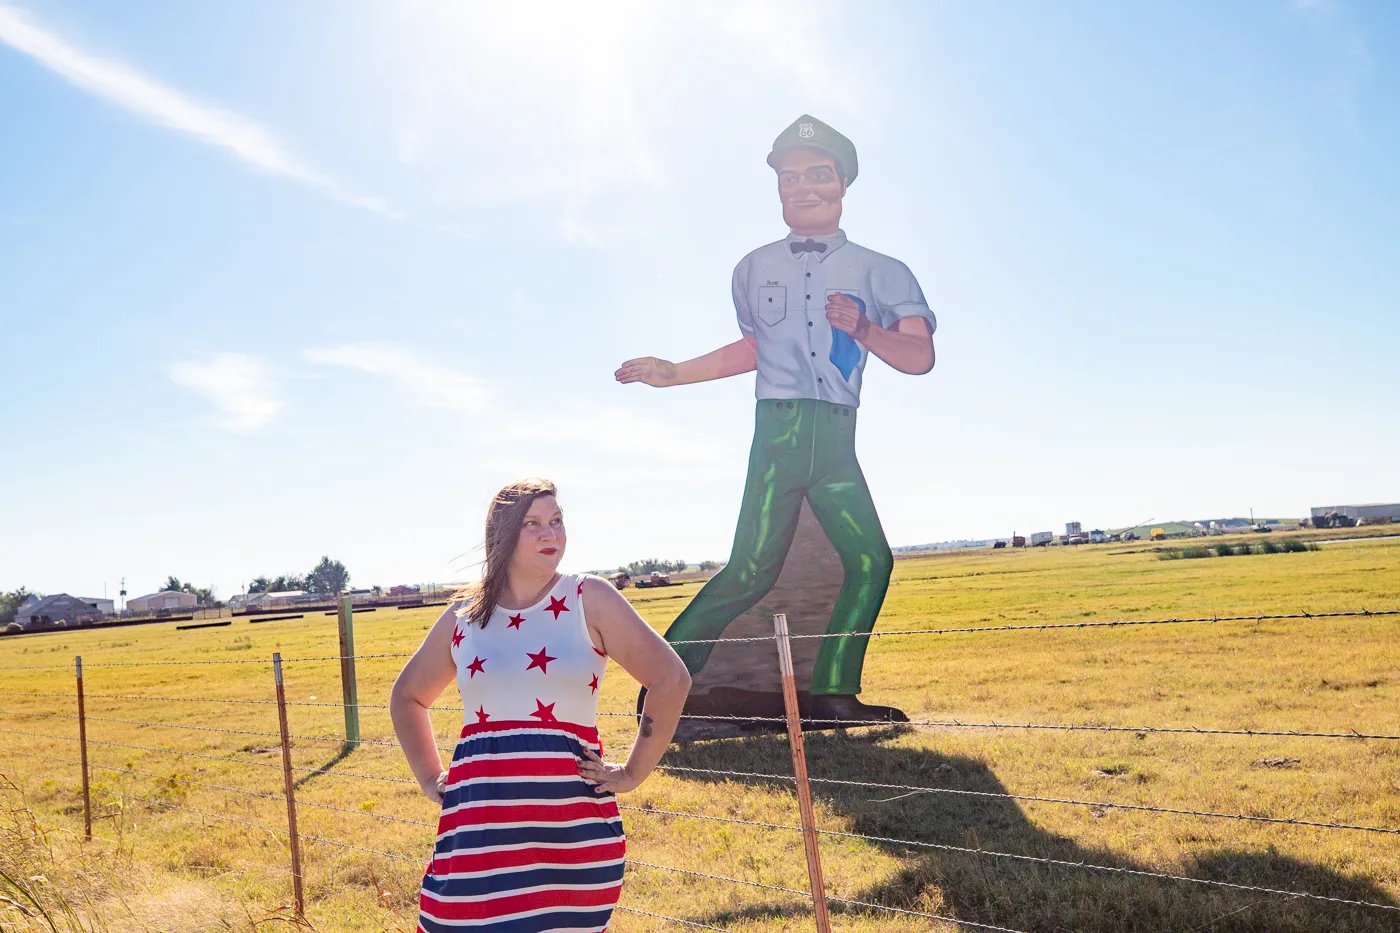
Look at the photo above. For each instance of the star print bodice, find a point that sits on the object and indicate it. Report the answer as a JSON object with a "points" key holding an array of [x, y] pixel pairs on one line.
{"points": [[531, 666]]}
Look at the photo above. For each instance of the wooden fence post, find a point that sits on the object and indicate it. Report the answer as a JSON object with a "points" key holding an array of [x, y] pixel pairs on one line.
{"points": [[288, 783], [345, 619], [799, 768], [82, 746]]}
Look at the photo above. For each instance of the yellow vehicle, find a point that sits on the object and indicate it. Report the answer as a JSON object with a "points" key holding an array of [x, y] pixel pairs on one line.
{"points": [[1158, 534]]}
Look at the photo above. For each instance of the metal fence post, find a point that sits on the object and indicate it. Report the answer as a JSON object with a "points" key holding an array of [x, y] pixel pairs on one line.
{"points": [[82, 746], [345, 619], [799, 768], [287, 783]]}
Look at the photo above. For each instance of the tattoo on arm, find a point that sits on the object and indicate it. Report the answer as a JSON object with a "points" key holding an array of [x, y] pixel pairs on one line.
{"points": [[646, 726]]}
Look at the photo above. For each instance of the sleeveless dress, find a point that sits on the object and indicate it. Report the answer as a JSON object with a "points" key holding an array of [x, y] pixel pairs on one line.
{"points": [[525, 845]]}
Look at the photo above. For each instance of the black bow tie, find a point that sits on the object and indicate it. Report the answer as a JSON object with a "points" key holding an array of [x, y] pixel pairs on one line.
{"points": [[806, 246]]}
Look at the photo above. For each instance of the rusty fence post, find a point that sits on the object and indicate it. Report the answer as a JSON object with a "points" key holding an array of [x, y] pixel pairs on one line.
{"points": [[799, 768], [350, 698], [82, 753], [287, 782]]}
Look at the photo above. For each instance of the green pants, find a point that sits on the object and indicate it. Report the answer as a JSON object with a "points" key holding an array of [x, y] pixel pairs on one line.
{"points": [[802, 448]]}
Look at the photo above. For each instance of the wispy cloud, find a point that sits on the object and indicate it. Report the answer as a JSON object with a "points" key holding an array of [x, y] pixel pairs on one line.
{"points": [[430, 382], [241, 387], [128, 88]]}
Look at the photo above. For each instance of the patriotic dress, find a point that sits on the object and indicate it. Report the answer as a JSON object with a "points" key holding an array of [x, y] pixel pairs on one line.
{"points": [[525, 845]]}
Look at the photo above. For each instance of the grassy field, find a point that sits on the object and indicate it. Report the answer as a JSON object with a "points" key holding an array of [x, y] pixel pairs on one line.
{"points": [[155, 867]]}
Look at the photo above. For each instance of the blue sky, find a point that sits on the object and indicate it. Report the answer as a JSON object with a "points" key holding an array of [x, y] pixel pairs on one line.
{"points": [[279, 281]]}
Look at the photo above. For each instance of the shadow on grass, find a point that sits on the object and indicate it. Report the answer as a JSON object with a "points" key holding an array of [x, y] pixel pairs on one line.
{"points": [[342, 754], [1022, 895]]}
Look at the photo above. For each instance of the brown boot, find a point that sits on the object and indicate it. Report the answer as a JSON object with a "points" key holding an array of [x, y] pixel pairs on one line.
{"points": [[829, 708]]}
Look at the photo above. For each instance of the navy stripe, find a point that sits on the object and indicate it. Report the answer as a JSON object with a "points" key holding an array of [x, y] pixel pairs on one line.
{"points": [[550, 920], [467, 839], [520, 744], [507, 789], [512, 882]]}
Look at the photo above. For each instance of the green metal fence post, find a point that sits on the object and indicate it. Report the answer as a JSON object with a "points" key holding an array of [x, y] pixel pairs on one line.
{"points": [[350, 696]]}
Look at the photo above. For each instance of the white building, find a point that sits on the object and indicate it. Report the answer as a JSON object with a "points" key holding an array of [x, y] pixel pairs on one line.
{"points": [[1370, 510], [166, 599], [61, 607]]}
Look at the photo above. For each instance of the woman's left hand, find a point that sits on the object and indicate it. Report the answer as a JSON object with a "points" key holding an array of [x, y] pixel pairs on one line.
{"points": [[606, 778]]}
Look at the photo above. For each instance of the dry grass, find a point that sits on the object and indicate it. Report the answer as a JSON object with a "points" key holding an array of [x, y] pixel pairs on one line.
{"points": [[1324, 675]]}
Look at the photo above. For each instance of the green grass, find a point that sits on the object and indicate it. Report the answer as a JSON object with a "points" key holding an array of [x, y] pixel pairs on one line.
{"points": [[1310, 675]]}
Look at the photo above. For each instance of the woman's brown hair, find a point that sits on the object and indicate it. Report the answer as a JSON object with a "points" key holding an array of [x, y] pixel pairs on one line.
{"points": [[503, 521]]}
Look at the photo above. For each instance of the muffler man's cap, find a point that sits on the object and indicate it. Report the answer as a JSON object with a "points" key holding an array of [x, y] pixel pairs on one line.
{"points": [[810, 133]]}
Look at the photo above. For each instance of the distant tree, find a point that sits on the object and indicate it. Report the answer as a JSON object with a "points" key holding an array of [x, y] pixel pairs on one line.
{"points": [[710, 565], [654, 564], [376, 590], [260, 584], [328, 577], [9, 604], [205, 594], [285, 582]]}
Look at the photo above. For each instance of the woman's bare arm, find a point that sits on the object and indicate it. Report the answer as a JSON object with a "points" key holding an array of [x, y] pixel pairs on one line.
{"points": [[647, 657], [420, 682]]}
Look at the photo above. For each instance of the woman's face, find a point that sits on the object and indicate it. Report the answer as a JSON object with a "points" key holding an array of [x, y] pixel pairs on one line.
{"points": [[541, 543]]}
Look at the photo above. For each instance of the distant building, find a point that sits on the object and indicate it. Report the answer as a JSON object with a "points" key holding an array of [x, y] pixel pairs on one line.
{"points": [[166, 599], [1073, 528], [61, 607], [1369, 511], [279, 598]]}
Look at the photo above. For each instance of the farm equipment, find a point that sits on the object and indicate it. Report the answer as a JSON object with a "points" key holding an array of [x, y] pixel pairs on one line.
{"points": [[655, 579], [1159, 534], [1018, 540]]}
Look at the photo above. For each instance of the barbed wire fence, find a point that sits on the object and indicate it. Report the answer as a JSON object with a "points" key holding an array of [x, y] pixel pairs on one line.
{"points": [[816, 894]]}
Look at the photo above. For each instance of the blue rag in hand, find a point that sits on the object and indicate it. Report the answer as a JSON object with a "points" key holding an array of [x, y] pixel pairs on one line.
{"points": [[845, 352]]}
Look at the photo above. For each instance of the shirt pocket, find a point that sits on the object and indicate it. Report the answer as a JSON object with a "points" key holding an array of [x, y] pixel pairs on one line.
{"points": [[772, 303]]}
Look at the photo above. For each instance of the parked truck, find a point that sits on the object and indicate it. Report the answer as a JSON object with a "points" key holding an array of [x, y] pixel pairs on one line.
{"points": [[1042, 538]]}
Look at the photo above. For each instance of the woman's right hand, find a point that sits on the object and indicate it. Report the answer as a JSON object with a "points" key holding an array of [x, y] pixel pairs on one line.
{"points": [[437, 790], [649, 369]]}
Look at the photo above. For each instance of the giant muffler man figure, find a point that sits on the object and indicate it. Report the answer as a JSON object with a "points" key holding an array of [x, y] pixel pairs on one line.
{"points": [[812, 307]]}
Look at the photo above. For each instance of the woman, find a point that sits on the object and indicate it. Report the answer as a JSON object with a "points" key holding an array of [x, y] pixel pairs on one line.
{"points": [[530, 838]]}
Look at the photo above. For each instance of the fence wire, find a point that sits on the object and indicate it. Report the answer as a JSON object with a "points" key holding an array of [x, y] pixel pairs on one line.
{"points": [[1116, 623], [1054, 727], [378, 743], [1062, 863], [329, 772], [916, 789]]}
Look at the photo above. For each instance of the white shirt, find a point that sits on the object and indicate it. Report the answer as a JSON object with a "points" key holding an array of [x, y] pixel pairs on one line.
{"points": [[780, 298]]}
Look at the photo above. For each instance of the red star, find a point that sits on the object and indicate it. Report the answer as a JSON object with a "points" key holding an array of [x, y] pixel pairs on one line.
{"points": [[477, 666], [580, 587], [515, 621], [601, 654], [456, 637], [481, 715], [544, 713], [540, 660], [556, 606], [593, 685]]}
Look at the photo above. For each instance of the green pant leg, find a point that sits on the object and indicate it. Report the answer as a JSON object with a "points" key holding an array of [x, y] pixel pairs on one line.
{"points": [[778, 470], [841, 502]]}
